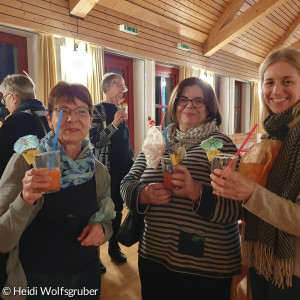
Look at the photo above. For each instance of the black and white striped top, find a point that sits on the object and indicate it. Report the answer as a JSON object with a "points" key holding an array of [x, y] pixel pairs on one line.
{"points": [[203, 241]]}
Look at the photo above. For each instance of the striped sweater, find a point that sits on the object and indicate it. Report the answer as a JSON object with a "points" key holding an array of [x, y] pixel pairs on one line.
{"points": [[201, 240]]}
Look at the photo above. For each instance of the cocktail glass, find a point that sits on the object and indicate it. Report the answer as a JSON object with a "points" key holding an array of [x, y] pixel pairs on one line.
{"points": [[42, 161]]}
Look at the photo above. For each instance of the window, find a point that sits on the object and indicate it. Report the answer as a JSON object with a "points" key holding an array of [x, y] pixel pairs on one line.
{"points": [[166, 78], [237, 106]]}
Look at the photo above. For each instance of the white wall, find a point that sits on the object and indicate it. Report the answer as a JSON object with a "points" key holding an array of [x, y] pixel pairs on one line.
{"points": [[224, 104], [139, 104]]}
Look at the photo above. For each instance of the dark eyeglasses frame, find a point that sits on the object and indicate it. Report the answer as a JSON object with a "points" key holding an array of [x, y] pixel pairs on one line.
{"points": [[191, 100], [65, 109], [3, 101]]}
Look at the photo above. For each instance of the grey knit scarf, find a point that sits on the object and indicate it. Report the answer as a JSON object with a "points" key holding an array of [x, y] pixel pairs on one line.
{"points": [[192, 137], [266, 248]]}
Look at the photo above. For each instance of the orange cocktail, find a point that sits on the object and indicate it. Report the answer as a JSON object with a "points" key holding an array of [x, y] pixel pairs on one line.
{"points": [[55, 182], [168, 179], [167, 171], [50, 161]]}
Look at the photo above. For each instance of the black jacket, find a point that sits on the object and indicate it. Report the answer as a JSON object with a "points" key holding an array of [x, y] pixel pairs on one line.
{"points": [[28, 118]]}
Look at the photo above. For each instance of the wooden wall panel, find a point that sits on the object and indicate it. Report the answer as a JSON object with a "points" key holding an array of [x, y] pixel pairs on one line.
{"points": [[101, 27]]}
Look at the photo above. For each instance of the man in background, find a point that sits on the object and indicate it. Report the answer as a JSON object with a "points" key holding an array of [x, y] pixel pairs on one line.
{"points": [[27, 114]]}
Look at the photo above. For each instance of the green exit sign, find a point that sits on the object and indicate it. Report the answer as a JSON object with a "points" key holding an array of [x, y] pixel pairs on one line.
{"points": [[183, 47], [129, 29]]}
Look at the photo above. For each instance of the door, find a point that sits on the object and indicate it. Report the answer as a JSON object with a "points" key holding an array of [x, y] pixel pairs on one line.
{"points": [[166, 78], [13, 54], [13, 60], [123, 66]]}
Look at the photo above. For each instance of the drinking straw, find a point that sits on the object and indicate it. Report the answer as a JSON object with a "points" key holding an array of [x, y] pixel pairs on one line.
{"points": [[241, 148], [55, 139], [160, 126], [168, 149]]}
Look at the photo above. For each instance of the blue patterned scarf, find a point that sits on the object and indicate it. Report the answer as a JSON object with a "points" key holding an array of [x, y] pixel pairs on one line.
{"points": [[72, 172]]}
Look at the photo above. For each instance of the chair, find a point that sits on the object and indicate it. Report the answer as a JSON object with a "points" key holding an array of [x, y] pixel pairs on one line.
{"points": [[236, 280]]}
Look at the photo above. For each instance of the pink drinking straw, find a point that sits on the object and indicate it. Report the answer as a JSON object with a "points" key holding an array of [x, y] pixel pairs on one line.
{"points": [[241, 148], [160, 126]]}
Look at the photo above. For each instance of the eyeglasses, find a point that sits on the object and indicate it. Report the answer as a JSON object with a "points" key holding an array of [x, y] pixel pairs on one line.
{"points": [[197, 102], [80, 112], [3, 101], [125, 89]]}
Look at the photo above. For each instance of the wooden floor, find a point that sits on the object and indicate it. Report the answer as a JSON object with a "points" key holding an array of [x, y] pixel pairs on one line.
{"points": [[121, 281]]}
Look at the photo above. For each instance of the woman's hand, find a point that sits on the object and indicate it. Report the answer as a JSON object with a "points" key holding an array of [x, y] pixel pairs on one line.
{"points": [[185, 184], [237, 187], [120, 116], [33, 181], [92, 235], [155, 193]]}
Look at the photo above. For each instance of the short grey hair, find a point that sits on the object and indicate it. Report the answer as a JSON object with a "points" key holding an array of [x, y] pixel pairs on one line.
{"points": [[108, 79], [18, 84]]}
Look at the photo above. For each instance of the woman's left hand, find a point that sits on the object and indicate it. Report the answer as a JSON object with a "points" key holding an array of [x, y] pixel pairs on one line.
{"points": [[185, 184], [92, 235], [237, 187]]}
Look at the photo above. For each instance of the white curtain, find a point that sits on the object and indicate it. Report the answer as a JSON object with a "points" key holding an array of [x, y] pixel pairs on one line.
{"points": [[47, 67], [95, 77]]}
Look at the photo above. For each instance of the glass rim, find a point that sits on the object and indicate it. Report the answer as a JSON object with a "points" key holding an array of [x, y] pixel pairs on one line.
{"points": [[47, 153], [224, 155]]}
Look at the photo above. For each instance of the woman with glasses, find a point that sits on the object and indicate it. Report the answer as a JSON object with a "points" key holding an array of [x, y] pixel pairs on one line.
{"points": [[190, 247], [52, 239], [110, 137]]}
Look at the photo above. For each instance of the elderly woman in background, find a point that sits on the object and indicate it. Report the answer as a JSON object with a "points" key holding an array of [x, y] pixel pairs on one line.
{"points": [[52, 239], [272, 222], [110, 136], [190, 246]]}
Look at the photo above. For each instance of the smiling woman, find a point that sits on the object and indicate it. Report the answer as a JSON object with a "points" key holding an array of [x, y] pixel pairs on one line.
{"points": [[55, 243], [179, 249], [272, 244], [75, 102], [280, 86]]}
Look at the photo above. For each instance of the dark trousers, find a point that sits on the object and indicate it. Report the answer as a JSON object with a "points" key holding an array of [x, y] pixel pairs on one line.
{"points": [[117, 174], [159, 283], [62, 286], [265, 290]]}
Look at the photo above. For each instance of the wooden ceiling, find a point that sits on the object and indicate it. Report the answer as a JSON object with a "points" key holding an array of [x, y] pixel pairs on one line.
{"points": [[250, 29]]}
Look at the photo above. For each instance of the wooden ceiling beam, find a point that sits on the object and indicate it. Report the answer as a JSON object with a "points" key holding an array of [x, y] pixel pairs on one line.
{"points": [[295, 45], [243, 53], [227, 16], [239, 25], [80, 8], [137, 12], [288, 34]]}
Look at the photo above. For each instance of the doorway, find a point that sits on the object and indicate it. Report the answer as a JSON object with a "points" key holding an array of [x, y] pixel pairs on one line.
{"points": [[123, 66]]}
